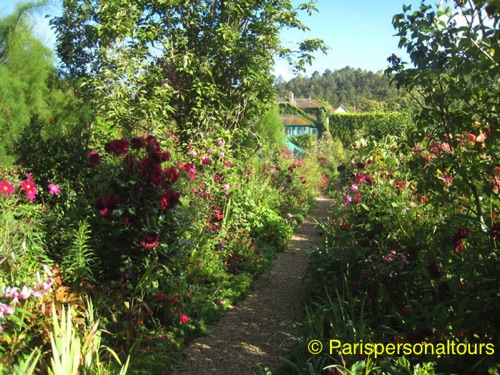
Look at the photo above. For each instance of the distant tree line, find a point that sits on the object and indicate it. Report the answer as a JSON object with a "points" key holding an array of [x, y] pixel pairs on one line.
{"points": [[356, 89]]}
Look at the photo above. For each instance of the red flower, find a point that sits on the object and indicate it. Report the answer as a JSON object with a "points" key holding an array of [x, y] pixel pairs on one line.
{"points": [[357, 197], [164, 156], [107, 204], [6, 187], [172, 174], [495, 230], [138, 143], [151, 171], [457, 239], [117, 146], [184, 318], [149, 240], [189, 168], [94, 159], [169, 199]]}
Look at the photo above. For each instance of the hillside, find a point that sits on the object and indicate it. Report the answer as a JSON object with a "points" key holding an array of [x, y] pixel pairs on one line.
{"points": [[356, 89]]}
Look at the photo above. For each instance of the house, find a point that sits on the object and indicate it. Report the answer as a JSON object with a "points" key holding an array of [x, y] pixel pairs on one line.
{"points": [[340, 109], [302, 116], [297, 124]]}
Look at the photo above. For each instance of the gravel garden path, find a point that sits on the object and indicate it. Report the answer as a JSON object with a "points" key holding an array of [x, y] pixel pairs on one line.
{"points": [[251, 335]]}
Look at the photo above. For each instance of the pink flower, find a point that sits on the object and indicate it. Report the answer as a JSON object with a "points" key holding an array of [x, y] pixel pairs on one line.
{"points": [[226, 186], [45, 286], [354, 188], [25, 293], [54, 189], [31, 195], [347, 199], [219, 143], [221, 155], [184, 318], [227, 164], [220, 302], [447, 180], [5, 309], [6, 187], [9, 292]]}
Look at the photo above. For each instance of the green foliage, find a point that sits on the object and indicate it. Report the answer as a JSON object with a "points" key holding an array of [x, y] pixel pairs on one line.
{"points": [[304, 141], [354, 88], [79, 258], [267, 133], [418, 258], [25, 66], [348, 127], [455, 81], [204, 66]]}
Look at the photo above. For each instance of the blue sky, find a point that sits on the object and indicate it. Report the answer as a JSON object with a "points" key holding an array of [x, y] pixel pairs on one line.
{"points": [[359, 33]]}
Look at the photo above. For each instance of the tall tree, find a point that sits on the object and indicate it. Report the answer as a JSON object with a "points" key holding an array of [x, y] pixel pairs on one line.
{"points": [[199, 64], [25, 66], [455, 78]]}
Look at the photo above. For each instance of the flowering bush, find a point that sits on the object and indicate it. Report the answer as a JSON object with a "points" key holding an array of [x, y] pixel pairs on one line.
{"points": [[400, 243]]}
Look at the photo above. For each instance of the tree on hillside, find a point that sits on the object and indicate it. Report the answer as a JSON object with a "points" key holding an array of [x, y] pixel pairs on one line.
{"points": [[354, 88], [198, 65], [25, 66]]}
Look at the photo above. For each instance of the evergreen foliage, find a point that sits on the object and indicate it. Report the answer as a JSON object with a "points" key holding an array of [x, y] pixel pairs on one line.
{"points": [[356, 89], [267, 133], [25, 66], [348, 127]]}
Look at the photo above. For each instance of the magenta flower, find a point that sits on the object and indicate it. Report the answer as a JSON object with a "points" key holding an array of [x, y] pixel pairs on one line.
{"points": [[6, 187], [357, 197], [28, 186], [227, 164], [205, 160], [219, 143], [54, 189]]}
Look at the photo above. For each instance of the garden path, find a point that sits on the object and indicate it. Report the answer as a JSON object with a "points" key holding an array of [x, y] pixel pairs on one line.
{"points": [[251, 335]]}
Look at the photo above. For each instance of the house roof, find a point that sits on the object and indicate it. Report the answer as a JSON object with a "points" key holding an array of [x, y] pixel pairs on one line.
{"points": [[295, 120], [307, 103]]}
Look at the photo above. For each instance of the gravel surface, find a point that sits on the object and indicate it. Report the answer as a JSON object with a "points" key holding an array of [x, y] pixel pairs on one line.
{"points": [[252, 333]]}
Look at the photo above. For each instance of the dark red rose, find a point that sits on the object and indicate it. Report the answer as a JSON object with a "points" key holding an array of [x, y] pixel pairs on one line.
{"points": [[94, 159]]}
